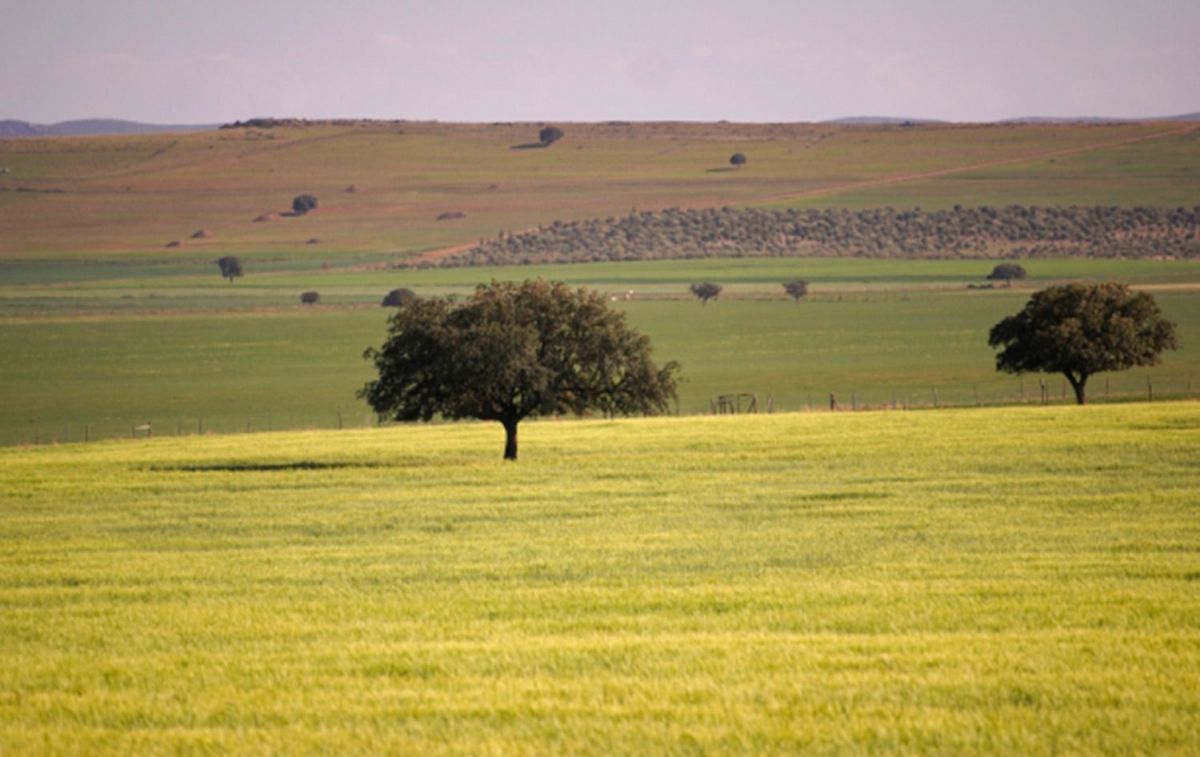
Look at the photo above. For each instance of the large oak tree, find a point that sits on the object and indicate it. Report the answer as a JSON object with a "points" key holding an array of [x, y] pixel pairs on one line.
{"points": [[512, 351], [1080, 330]]}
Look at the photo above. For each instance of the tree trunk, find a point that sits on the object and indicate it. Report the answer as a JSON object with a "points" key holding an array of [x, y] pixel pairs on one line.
{"points": [[1080, 387], [510, 440]]}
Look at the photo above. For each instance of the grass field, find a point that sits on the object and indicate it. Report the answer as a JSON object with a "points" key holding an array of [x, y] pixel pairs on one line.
{"points": [[1002, 581], [192, 353]]}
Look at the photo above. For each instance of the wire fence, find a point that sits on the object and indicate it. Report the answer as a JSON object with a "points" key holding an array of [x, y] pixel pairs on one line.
{"points": [[1027, 390]]}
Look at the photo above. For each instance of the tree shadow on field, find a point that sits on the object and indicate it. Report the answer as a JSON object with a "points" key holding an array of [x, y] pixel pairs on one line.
{"points": [[530, 146], [252, 467], [719, 170]]}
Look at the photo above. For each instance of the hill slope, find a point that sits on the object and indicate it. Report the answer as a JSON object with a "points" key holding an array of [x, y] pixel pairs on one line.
{"points": [[395, 189], [92, 127]]}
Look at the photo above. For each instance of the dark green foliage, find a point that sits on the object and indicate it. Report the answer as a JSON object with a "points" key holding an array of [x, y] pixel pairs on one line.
{"points": [[1079, 330], [549, 135], [1007, 272], [301, 204], [737, 160], [1011, 232], [398, 298], [796, 288], [705, 291], [230, 266], [512, 351], [310, 298]]}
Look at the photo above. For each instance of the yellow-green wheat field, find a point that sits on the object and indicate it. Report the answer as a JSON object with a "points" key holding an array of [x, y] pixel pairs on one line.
{"points": [[1018, 580]]}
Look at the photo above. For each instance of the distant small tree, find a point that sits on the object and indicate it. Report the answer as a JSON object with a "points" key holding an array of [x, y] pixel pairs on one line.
{"points": [[737, 160], [1079, 330], [796, 289], [706, 291], [549, 135], [398, 298], [1006, 272], [301, 204], [231, 267], [310, 298]]}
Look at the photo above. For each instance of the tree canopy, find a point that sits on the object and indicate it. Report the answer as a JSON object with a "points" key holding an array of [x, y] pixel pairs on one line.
{"points": [[549, 135], [1079, 330], [737, 160], [1007, 272], [706, 291], [796, 288], [398, 298], [301, 204], [512, 351], [230, 266]]}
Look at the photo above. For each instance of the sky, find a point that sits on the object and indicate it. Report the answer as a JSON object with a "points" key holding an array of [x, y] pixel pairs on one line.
{"points": [[214, 61]]}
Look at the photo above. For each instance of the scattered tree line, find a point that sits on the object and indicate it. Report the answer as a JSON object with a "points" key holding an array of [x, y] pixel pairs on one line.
{"points": [[1014, 231]]}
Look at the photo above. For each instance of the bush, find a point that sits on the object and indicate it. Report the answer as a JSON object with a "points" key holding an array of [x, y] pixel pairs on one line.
{"points": [[398, 298], [706, 291], [310, 298], [230, 266], [301, 204], [1007, 272], [796, 289]]}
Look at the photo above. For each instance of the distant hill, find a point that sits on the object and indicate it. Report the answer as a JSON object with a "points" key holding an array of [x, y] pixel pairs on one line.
{"points": [[892, 121], [881, 121], [92, 127]]}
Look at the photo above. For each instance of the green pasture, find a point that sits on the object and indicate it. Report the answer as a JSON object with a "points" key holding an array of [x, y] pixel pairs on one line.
{"points": [[999, 581], [195, 354]]}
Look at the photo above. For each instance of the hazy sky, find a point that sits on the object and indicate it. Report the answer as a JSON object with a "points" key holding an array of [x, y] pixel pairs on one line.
{"points": [[181, 61]]}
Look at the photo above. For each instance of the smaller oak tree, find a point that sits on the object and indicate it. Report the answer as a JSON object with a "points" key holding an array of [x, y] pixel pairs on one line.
{"points": [[549, 135], [301, 204], [1079, 330], [398, 298], [796, 288], [706, 291], [310, 298], [737, 160], [231, 267], [1006, 272]]}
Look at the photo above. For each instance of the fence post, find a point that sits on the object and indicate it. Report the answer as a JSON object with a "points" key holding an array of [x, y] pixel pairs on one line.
{"points": [[1149, 390], [832, 402], [86, 433], [853, 400], [339, 420], [936, 404]]}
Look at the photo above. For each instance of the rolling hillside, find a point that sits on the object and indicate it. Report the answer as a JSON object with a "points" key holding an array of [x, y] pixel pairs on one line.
{"points": [[391, 190]]}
